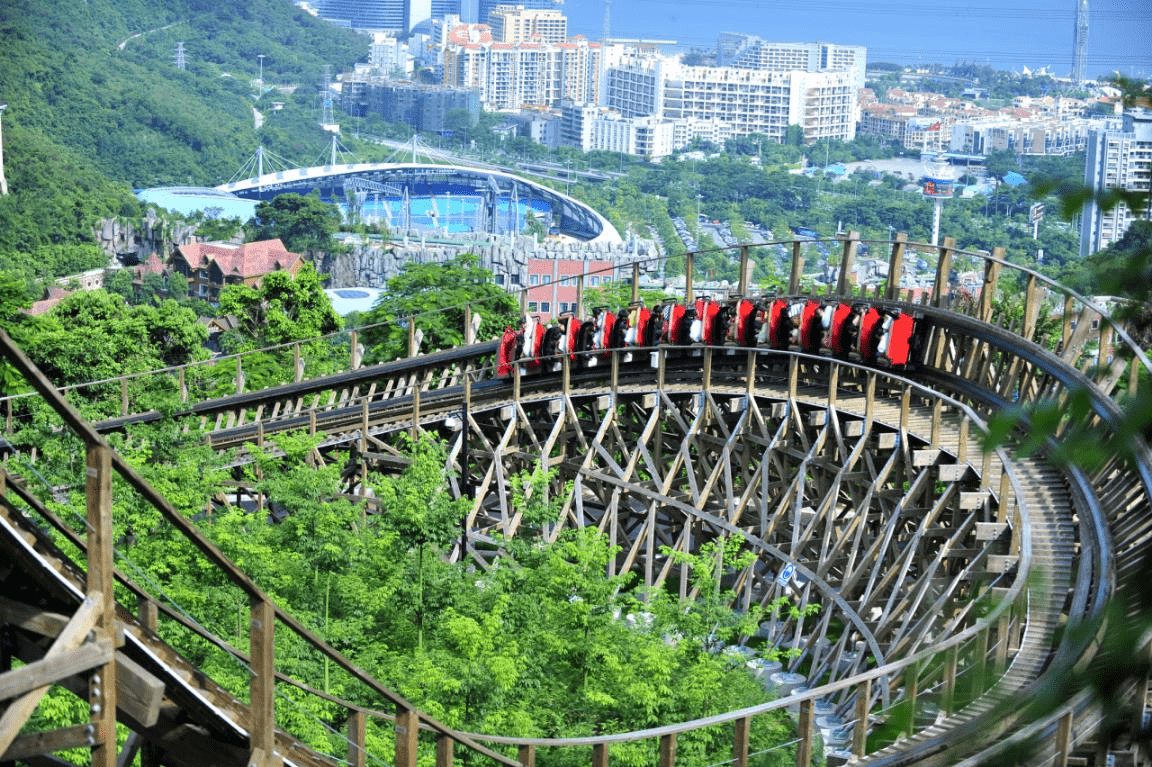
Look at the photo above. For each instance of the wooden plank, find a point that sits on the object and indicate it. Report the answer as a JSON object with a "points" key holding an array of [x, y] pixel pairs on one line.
{"points": [[39, 743], [48, 671], [70, 638], [32, 618]]}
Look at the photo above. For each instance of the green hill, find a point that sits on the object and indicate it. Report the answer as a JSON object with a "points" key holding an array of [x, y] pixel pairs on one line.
{"points": [[97, 105]]}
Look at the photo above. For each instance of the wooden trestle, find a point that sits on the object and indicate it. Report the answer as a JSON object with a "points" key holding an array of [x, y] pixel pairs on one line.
{"points": [[944, 574]]}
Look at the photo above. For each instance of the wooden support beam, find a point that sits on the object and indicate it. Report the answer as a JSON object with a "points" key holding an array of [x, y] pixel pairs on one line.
{"points": [[741, 729], [863, 711], [40, 743], [48, 671], [527, 755], [445, 750], [407, 737], [797, 271], [689, 261], [357, 733], [943, 272], [18, 711], [262, 685], [635, 281], [745, 272], [600, 755], [991, 282], [896, 266], [101, 580], [847, 264], [668, 750], [805, 733]]}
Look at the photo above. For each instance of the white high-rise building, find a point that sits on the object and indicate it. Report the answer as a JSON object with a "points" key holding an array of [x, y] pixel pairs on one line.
{"points": [[512, 76], [823, 103], [1119, 157], [517, 24]]}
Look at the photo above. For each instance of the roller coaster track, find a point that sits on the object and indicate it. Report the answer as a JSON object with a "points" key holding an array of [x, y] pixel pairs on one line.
{"points": [[951, 580]]}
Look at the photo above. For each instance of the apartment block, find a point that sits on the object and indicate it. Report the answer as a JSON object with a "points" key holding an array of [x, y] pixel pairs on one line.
{"points": [[1119, 157], [517, 24]]}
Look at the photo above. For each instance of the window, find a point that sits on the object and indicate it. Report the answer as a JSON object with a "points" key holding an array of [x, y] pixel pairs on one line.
{"points": [[545, 306], [499, 279], [532, 306], [594, 280], [515, 279], [533, 279]]}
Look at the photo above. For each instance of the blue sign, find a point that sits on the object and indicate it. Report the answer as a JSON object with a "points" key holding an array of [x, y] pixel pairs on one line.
{"points": [[785, 575]]}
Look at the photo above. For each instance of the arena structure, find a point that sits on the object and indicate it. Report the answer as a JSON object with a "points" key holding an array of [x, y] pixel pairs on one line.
{"points": [[958, 585], [410, 196]]}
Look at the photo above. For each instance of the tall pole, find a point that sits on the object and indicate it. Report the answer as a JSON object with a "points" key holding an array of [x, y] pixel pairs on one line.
{"points": [[3, 178], [261, 81]]}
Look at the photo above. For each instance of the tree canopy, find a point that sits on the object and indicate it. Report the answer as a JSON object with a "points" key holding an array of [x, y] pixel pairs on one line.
{"points": [[301, 222], [438, 293]]}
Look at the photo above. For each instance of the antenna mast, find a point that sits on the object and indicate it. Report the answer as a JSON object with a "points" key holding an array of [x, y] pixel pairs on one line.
{"points": [[608, 20]]}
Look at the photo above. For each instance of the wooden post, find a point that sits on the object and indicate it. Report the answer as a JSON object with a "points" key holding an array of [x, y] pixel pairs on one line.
{"points": [[180, 377], [991, 282], [668, 750], [123, 396], [412, 348], [635, 281], [147, 613], [689, 262], [911, 694], [896, 266], [469, 331], [943, 272], [579, 298], [1066, 325], [1063, 740], [445, 750], [262, 686], [805, 731], [527, 755], [357, 733], [847, 264], [740, 741], [354, 359], [101, 581], [951, 661], [297, 363], [797, 268], [1031, 308], [600, 755], [863, 708], [407, 737], [742, 284], [239, 376]]}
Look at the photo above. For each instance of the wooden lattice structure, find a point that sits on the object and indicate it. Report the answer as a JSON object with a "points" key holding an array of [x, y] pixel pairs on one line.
{"points": [[951, 570]]}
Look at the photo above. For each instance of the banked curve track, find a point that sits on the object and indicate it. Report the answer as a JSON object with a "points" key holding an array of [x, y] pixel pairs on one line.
{"points": [[945, 575]]}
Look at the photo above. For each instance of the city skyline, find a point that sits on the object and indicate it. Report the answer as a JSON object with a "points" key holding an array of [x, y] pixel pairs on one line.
{"points": [[1031, 33]]}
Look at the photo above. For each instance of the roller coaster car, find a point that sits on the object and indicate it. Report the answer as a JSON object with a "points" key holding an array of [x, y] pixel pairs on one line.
{"points": [[748, 323], [678, 324], [619, 330], [811, 327], [844, 329], [533, 342], [569, 338], [510, 348], [550, 347], [898, 339], [715, 322], [870, 331], [779, 324]]}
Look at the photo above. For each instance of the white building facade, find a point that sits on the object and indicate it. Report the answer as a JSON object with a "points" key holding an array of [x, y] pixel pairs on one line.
{"points": [[1119, 157]]}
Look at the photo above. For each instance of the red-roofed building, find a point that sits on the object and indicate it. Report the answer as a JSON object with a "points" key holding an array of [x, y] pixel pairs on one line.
{"points": [[211, 266]]}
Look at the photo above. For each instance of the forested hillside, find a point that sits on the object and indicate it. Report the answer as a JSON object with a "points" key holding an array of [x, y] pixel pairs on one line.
{"points": [[97, 105]]}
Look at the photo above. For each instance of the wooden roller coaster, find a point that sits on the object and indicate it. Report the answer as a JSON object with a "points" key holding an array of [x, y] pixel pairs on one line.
{"points": [[951, 574]]}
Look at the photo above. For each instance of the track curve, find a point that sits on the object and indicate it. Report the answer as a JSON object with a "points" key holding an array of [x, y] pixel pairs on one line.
{"points": [[952, 571]]}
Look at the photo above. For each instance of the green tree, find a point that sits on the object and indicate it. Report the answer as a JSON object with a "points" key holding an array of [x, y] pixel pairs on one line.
{"points": [[280, 310], [302, 223], [437, 293]]}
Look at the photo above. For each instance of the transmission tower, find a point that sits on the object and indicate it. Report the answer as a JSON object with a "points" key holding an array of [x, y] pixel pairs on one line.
{"points": [[180, 56], [1080, 42], [607, 20]]}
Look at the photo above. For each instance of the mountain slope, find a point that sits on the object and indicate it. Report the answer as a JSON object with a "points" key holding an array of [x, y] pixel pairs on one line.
{"points": [[96, 101]]}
